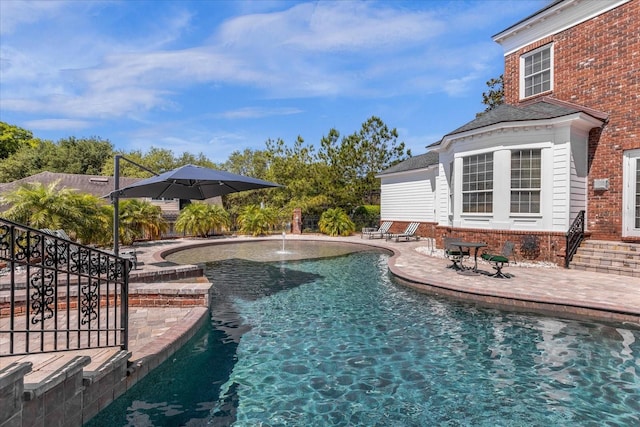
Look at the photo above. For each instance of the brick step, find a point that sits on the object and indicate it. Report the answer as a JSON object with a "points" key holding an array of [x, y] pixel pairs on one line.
{"points": [[608, 253], [606, 260], [620, 271], [611, 246], [610, 257]]}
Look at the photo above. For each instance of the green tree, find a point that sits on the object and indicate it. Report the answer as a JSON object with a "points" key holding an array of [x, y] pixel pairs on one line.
{"points": [[13, 138], [94, 224], [258, 221], [76, 155], [252, 163], [495, 95], [201, 219], [140, 219], [21, 164], [336, 222], [359, 157], [158, 160], [41, 206]]}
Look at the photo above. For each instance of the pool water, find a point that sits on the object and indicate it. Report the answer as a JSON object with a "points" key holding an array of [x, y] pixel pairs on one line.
{"points": [[334, 342]]}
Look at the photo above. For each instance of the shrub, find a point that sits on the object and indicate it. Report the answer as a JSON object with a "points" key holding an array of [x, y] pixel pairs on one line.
{"points": [[336, 222], [257, 221]]}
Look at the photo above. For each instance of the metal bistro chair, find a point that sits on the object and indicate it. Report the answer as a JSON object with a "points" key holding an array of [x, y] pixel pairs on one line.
{"points": [[499, 260], [454, 253]]}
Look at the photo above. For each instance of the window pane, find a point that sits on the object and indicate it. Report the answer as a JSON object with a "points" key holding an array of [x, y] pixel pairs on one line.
{"points": [[478, 183], [525, 181], [536, 72]]}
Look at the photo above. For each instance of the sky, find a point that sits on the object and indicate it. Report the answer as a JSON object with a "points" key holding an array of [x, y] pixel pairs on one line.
{"points": [[217, 76]]}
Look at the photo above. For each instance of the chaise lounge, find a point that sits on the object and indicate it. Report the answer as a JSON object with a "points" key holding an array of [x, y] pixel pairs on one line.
{"points": [[407, 234], [377, 233]]}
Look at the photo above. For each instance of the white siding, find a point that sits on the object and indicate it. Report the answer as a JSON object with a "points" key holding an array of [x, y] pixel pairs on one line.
{"points": [[409, 196], [442, 192], [579, 179], [561, 186]]}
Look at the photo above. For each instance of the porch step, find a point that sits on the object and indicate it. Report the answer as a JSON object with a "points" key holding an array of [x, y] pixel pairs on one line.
{"points": [[601, 256]]}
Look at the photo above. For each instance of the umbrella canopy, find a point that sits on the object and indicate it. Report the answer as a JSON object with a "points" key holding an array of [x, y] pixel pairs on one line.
{"points": [[192, 182]]}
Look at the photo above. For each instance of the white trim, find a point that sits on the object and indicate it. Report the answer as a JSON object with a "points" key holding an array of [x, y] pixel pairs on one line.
{"points": [[407, 172], [522, 77], [631, 161], [583, 120], [553, 20]]}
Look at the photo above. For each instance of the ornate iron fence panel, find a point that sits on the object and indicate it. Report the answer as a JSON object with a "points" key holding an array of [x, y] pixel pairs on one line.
{"points": [[56, 294]]}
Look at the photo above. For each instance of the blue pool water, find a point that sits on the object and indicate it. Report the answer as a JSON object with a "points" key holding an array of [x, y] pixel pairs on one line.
{"points": [[334, 342]]}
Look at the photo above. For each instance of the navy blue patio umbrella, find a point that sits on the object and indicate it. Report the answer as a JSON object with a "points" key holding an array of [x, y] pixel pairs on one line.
{"points": [[186, 182], [194, 183]]}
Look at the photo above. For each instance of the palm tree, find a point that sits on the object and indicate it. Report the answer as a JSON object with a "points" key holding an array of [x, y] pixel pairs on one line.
{"points": [[140, 219], [336, 222], [257, 221], [95, 224], [41, 206], [200, 219]]}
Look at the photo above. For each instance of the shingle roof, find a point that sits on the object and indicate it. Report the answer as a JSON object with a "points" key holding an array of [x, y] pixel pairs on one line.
{"points": [[97, 185], [417, 162], [542, 109]]}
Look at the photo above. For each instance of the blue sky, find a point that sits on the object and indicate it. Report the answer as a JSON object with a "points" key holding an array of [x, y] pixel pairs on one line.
{"points": [[219, 76]]}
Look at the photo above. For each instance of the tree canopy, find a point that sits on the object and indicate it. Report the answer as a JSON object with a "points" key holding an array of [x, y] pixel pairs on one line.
{"points": [[339, 173], [495, 95], [12, 138]]}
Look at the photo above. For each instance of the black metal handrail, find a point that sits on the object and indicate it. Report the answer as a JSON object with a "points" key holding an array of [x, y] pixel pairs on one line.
{"points": [[57, 295], [575, 236]]}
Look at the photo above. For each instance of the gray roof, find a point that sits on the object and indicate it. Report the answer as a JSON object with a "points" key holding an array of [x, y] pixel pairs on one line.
{"points": [[98, 185], [417, 162], [542, 109]]}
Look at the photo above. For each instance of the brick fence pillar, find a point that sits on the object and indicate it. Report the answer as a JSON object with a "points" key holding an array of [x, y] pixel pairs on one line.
{"points": [[296, 224]]}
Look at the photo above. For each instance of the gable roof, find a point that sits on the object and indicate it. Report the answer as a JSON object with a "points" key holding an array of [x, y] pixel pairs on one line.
{"points": [[97, 185], [541, 109], [421, 161]]}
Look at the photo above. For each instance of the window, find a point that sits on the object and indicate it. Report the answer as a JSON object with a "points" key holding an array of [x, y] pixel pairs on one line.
{"points": [[477, 184], [526, 171], [536, 71]]}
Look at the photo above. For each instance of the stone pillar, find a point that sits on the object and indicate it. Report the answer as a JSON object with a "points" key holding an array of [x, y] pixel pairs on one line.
{"points": [[11, 393], [296, 224]]}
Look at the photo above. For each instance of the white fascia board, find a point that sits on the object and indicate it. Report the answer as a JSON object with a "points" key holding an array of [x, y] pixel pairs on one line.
{"points": [[551, 21], [408, 172], [581, 120]]}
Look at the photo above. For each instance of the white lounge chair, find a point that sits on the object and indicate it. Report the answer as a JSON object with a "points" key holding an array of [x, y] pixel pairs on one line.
{"points": [[408, 234], [378, 233]]}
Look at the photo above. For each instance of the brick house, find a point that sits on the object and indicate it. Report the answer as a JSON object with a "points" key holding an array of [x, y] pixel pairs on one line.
{"points": [[566, 140]]}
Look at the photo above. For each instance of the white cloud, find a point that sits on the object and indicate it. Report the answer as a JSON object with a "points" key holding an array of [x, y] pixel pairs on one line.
{"points": [[14, 14], [256, 112], [76, 67], [58, 124]]}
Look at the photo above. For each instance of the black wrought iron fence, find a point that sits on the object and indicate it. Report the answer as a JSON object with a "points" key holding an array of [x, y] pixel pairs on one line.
{"points": [[56, 294], [574, 237]]}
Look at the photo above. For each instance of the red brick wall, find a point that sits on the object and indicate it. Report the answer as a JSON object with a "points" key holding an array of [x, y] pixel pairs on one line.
{"points": [[597, 65], [547, 246]]}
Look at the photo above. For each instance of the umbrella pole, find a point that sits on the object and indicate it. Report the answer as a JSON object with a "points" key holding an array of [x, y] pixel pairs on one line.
{"points": [[116, 200], [115, 196]]}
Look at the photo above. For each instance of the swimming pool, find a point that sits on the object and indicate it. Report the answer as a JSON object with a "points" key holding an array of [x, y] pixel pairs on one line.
{"points": [[334, 341]]}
